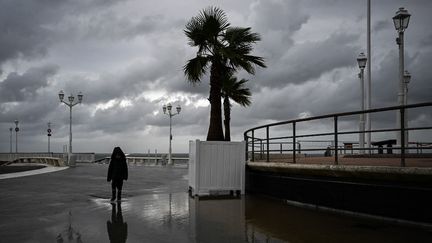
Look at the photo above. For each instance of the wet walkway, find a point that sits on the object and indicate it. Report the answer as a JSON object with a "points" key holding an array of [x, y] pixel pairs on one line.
{"points": [[72, 206]]}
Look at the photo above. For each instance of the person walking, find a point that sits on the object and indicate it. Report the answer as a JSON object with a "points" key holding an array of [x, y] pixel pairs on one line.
{"points": [[117, 172]]}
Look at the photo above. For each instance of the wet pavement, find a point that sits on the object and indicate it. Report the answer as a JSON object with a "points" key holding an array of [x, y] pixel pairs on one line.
{"points": [[73, 206]]}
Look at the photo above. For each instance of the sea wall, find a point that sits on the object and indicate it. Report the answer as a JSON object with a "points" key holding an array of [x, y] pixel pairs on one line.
{"points": [[390, 192]]}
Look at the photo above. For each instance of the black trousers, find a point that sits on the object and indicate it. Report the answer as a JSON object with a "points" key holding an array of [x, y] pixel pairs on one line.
{"points": [[117, 184]]}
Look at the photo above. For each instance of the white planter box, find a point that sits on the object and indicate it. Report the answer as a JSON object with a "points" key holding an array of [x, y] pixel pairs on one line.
{"points": [[216, 166]]}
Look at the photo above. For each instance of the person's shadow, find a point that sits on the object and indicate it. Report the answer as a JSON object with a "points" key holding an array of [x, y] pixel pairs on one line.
{"points": [[117, 229]]}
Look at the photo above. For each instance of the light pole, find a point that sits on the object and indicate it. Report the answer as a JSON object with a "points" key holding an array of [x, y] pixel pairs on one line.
{"points": [[16, 136], [170, 114], [10, 140], [49, 136], [401, 20], [70, 105], [361, 60], [407, 79]]}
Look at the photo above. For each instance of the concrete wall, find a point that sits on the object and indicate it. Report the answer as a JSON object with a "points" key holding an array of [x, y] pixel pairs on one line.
{"points": [[401, 194]]}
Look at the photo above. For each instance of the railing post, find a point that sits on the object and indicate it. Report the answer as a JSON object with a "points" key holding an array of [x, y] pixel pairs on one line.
{"points": [[247, 147], [402, 128], [294, 143], [336, 139], [261, 149], [268, 145], [280, 147], [253, 145]]}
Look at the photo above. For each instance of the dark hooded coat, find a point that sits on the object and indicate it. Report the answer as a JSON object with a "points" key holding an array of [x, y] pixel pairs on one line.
{"points": [[117, 169]]}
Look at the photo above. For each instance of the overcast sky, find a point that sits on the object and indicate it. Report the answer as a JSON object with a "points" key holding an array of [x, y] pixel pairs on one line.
{"points": [[127, 58]]}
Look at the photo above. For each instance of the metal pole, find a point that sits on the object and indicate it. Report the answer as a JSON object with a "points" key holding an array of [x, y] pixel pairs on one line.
{"points": [[294, 142], [369, 86], [400, 42], [402, 127], [170, 138], [16, 141], [406, 115], [49, 144], [362, 116], [253, 145], [247, 145], [336, 139], [268, 145], [70, 134], [10, 129]]}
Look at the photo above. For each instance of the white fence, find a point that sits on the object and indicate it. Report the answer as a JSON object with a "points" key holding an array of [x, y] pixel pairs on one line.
{"points": [[78, 157], [216, 166]]}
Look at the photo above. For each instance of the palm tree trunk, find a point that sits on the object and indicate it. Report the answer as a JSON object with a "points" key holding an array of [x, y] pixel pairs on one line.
{"points": [[215, 131], [227, 115]]}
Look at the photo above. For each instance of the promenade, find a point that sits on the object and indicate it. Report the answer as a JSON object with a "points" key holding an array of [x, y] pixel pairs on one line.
{"points": [[72, 205]]}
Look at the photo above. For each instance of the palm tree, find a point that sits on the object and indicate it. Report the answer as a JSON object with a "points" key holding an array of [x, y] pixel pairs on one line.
{"points": [[236, 91], [220, 48]]}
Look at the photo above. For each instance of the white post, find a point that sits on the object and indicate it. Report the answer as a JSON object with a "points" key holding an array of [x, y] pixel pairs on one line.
{"points": [[362, 116], [369, 86], [406, 113], [170, 138], [401, 97], [10, 129], [70, 134]]}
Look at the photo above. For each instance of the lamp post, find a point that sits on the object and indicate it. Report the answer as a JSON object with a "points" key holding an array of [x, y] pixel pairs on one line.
{"points": [[16, 136], [407, 79], [401, 20], [10, 140], [361, 60], [170, 114], [49, 136], [70, 104]]}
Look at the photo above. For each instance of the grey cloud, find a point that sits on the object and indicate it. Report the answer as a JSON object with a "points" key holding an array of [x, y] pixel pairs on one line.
{"points": [[382, 24], [20, 87], [309, 60], [276, 21], [25, 31]]}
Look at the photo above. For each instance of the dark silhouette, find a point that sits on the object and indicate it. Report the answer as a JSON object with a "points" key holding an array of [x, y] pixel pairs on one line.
{"points": [[220, 48], [327, 152], [117, 172], [237, 91], [117, 229]]}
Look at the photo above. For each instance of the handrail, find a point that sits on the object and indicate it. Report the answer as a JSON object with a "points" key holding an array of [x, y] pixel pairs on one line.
{"points": [[266, 140]]}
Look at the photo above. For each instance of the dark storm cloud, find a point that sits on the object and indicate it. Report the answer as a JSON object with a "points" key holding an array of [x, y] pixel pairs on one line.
{"points": [[127, 58], [309, 60], [276, 21], [24, 27], [20, 87]]}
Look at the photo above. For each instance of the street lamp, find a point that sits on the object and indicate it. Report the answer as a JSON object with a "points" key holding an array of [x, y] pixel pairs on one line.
{"points": [[401, 20], [170, 114], [49, 135], [361, 60], [407, 79], [16, 136], [10, 130], [70, 104]]}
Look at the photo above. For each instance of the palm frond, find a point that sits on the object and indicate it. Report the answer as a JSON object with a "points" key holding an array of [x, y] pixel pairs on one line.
{"points": [[195, 68], [236, 90]]}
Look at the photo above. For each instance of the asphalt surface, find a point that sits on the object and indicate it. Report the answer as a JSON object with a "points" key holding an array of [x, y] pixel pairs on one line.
{"points": [[72, 205]]}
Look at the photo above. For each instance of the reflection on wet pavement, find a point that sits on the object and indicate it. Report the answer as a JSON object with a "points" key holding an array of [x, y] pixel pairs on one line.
{"points": [[69, 233], [116, 228], [176, 217], [156, 208]]}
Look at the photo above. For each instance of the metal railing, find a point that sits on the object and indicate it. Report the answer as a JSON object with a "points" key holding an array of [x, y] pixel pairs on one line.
{"points": [[263, 143]]}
